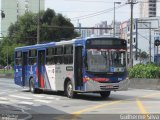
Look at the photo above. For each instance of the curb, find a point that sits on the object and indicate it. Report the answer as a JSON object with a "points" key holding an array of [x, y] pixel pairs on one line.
{"points": [[144, 83], [7, 75]]}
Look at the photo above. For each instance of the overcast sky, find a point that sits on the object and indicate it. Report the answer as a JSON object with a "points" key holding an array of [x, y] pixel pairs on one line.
{"points": [[78, 9]]}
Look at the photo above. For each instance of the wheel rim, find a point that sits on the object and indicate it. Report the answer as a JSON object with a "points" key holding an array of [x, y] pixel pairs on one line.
{"points": [[69, 90], [32, 89]]}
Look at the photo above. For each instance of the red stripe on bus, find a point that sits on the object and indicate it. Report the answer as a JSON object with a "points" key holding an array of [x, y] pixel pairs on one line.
{"points": [[100, 79], [96, 79], [42, 81]]}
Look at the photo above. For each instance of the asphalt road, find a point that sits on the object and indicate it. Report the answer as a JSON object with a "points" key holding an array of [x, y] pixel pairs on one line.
{"points": [[18, 103]]}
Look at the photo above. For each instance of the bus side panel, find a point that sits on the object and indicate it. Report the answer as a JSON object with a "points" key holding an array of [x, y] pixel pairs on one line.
{"points": [[24, 68], [61, 73], [59, 76], [18, 75], [40, 68], [49, 77], [42, 71], [45, 72], [32, 73]]}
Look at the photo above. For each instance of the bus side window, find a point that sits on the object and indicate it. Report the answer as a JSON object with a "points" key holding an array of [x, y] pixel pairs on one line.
{"points": [[18, 56], [68, 54], [18, 62], [31, 61], [58, 55], [49, 60]]}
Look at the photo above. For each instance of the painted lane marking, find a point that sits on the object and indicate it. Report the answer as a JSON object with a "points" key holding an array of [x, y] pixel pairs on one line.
{"points": [[39, 96], [50, 98], [142, 108], [43, 101], [111, 103], [146, 96], [21, 97], [27, 103], [96, 107], [53, 98], [77, 114], [3, 98], [4, 102], [2, 93]]}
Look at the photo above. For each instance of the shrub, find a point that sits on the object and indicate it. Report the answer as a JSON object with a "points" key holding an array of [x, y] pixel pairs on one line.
{"points": [[144, 71]]}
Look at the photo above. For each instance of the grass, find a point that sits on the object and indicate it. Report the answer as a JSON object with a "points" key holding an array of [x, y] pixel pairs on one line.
{"points": [[2, 71]]}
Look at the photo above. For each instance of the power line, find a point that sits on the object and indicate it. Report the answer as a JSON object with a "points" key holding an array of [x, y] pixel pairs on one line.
{"points": [[144, 37], [90, 1], [97, 13], [65, 27]]}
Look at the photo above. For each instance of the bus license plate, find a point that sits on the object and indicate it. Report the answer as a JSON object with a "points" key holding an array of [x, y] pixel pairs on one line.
{"points": [[109, 86]]}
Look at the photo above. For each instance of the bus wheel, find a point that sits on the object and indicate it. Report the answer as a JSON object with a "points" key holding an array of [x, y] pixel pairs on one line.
{"points": [[105, 94], [31, 86], [69, 90]]}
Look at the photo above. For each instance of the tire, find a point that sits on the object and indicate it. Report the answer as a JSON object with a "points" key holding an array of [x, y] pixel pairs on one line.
{"points": [[31, 86], [105, 94], [69, 90]]}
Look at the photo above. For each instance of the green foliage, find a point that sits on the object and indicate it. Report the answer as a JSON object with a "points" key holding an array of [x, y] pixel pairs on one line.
{"points": [[25, 29], [7, 51], [3, 71], [24, 32], [144, 71]]}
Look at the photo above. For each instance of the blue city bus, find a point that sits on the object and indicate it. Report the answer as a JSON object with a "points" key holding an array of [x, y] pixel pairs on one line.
{"points": [[96, 64]]}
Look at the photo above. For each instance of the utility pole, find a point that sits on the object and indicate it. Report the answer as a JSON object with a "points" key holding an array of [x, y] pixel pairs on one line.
{"points": [[38, 26], [131, 2], [150, 42], [137, 39]]}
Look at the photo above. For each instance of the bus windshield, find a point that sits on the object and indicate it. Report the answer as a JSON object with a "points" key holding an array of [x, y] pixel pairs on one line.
{"points": [[105, 60]]}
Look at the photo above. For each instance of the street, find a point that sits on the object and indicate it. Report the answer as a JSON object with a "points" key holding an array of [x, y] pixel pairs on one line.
{"points": [[18, 102]]}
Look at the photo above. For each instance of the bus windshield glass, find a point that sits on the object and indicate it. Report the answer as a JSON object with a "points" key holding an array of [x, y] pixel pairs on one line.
{"points": [[104, 60]]}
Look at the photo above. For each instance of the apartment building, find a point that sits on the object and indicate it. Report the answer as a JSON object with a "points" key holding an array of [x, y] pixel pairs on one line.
{"points": [[15, 8], [148, 8]]}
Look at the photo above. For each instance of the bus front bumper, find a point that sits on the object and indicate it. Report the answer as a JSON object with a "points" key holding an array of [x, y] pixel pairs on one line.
{"points": [[91, 86]]}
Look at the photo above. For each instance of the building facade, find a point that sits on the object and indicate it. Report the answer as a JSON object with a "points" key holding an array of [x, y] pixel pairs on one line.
{"points": [[100, 32], [144, 30], [15, 8], [117, 29], [158, 9], [148, 8]]}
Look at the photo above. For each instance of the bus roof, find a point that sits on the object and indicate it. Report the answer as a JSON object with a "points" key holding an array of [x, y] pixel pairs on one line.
{"points": [[78, 41], [51, 44]]}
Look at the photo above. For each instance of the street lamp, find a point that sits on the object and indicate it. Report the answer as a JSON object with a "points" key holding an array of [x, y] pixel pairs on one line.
{"points": [[114, 18]]}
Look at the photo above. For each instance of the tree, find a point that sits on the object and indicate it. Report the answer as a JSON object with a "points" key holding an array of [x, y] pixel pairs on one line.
{"points": [[24, 32], [143, 56], [7, 51], [25, 29], [48, 16]]}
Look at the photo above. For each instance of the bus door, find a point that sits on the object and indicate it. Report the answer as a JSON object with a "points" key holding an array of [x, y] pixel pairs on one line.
{"points": [[78, 65], [41, 64], [24, 67]]}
